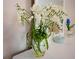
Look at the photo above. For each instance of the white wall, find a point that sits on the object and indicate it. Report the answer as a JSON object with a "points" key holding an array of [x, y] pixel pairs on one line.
{"points": [[14, 39], [14, 32]]}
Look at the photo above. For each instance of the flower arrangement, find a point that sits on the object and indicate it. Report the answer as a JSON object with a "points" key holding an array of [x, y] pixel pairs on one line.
{"points": [[44, 21]]}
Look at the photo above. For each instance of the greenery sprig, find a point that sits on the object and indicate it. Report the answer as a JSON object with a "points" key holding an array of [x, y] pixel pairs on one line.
{"points": [[23, 14], [39, 34]]}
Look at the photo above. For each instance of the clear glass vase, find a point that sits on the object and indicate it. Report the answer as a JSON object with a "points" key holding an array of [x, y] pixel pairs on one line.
{"points": [[69, 34], [39, 50]]}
